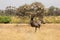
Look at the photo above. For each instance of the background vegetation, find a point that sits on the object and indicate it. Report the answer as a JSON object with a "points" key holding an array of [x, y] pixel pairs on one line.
{"points": [[23, 13]]}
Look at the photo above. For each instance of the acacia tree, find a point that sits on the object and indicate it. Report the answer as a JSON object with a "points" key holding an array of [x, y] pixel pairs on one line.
{"points": [[38, 9], [23, 10], [35, 8], [10, 10]]}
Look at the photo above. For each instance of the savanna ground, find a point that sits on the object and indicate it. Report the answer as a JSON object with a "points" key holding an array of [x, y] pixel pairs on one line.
{"points": [[26, 32]]}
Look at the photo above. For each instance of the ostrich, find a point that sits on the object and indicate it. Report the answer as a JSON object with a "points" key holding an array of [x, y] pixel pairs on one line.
{"points": [[35, 24]]}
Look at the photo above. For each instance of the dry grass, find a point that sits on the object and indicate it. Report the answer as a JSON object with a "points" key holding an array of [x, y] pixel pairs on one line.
{"points": [[52, 19], [25, 32]]}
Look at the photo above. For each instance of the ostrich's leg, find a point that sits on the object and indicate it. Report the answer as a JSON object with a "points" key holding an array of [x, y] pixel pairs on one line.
{"points": [[35, 29]]}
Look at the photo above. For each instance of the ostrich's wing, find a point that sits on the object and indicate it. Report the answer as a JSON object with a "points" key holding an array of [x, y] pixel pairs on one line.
{"points": [[36, 24]]}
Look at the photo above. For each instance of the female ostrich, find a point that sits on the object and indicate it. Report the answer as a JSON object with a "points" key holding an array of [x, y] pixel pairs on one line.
{"points": [[34, 23]]}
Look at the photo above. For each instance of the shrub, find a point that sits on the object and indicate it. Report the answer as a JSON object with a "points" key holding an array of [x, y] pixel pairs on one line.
{"points": [[5, 19]]}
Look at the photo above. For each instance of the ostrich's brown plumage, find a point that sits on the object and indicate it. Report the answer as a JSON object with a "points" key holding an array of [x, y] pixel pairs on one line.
{"points": [[35, 24]]}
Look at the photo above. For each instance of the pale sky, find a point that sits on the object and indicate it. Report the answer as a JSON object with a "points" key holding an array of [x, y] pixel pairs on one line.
{"points": [[17, 3]]}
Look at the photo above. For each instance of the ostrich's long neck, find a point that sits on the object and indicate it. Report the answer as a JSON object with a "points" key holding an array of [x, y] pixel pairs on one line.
{"points": [[31, 19]]}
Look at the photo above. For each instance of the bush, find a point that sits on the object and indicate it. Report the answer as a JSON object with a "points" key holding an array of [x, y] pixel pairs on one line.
{"points": [[5, 19]]}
